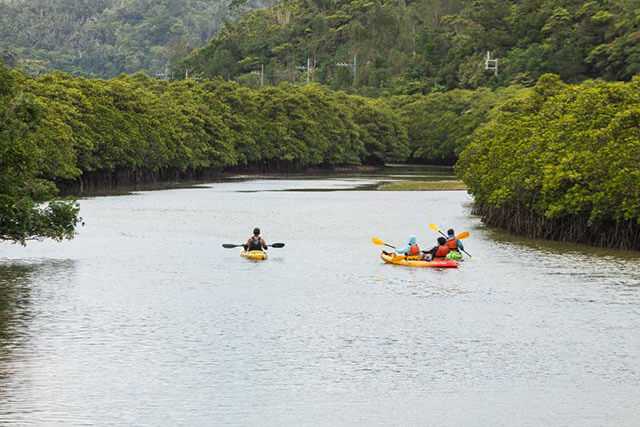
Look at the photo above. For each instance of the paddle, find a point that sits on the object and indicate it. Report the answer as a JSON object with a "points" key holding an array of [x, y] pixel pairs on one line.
{"points": [[379, 242], [461, 236], [231, 246]]}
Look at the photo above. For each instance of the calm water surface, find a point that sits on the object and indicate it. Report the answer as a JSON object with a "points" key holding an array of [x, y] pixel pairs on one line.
{"points": [[144, 319]]}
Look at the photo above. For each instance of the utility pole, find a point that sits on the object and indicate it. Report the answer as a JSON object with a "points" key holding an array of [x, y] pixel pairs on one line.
{"points": [[355, 69], [260, 74], [163, 75], [309, 69], [491, 64], [352, 66]]}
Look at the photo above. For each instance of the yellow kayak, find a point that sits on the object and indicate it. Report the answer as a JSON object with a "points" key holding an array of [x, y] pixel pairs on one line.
{"points": [[254, 255], [412, 262]]}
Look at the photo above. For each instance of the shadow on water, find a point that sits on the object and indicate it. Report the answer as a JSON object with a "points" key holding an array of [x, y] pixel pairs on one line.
{"points": [[556, 247], [16, 301], [559, 261]]}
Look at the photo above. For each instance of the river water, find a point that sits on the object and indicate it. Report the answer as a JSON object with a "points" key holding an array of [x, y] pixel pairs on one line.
{"points": [[144, 319]]}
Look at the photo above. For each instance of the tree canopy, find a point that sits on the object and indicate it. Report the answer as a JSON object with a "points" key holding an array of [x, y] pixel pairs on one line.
{"points": [[27, 210], [561, 160]]}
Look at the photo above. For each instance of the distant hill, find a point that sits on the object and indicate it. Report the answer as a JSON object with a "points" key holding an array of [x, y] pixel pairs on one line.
{"points": [[404, 47], [107, 37]]}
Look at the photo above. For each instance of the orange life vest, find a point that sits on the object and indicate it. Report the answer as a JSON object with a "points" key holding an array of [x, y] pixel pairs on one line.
{"points": [[452, 243], [442, 251], [414, 250]]}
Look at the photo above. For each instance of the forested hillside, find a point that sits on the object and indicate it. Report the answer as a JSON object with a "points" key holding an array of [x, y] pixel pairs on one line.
{"points": [[107, 37], [418, 46]]}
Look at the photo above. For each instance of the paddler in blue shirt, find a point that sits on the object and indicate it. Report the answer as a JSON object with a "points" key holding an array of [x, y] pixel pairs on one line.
{"points": [[411, 249]]}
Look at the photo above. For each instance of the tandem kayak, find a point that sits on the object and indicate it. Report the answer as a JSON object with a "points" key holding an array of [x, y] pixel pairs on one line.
{"points": [[402, 260], [254, 255]]}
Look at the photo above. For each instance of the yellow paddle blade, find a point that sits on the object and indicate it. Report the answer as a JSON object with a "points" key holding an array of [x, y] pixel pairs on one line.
{"points": [[434, 227], [463, 235], [377, 241]]}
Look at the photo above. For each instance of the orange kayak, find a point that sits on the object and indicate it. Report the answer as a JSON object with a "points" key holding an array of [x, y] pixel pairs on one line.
{"points": [[407, 262]]}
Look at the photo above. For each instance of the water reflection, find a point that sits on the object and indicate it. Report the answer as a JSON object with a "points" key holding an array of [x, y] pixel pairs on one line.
{"points": [[15, 294], [17, 310]]}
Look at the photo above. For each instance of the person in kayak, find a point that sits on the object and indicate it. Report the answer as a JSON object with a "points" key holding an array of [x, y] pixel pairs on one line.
{"points": [[440, 251], [453, 243], [255, 242], [411, 249]]}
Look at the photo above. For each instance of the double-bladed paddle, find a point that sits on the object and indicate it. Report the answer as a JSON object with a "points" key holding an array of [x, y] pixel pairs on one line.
{"points": [[231, 246], [460, 236]]}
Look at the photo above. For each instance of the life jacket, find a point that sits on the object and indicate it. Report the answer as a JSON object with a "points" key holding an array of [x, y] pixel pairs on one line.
{"points": [[442, 251], [452, 243], [255, 244], [414, 250]]}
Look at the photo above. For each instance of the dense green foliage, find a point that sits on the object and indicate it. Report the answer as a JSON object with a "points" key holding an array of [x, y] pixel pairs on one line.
{"points": [[145, 125], [27, 210], [106, 37], [419, 46], [440, 124], [563, 154], [141, 124]]}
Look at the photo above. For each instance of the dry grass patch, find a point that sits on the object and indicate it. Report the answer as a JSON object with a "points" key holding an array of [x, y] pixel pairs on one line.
{"points": [[452, 185]]}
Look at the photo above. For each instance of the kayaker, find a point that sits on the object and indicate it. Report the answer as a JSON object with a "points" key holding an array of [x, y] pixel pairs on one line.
{"points": [[453, 243], [440, 251], [411, 249], [255, 242]]}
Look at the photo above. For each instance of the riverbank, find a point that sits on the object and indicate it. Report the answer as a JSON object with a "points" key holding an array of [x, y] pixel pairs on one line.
{"points": [[620, 236], [419, 178], [124, 182]]}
